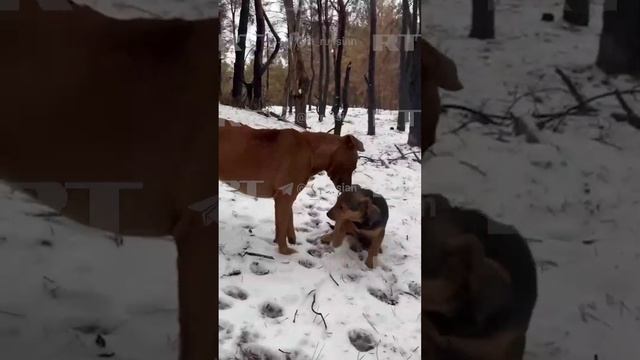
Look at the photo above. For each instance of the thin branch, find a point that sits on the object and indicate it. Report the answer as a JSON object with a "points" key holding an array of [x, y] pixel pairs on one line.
{"points": [[318, 313]]}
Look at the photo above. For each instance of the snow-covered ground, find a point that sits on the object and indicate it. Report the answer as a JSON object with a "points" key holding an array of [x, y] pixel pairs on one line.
{"points": [[63, 286], [576, 198], [133, 9], [346, 292]]}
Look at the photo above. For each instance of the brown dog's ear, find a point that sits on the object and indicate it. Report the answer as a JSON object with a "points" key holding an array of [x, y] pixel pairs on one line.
{"points": [[447, 75], [353, 142], [440, 69]]}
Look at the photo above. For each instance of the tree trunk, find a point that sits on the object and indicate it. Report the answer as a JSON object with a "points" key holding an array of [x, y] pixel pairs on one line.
{"points": [[321, 56], [619, 51], [342, 23], [482, 19], [327, 71], [414, 19], [299, 78], [345, 92], [415, 95], [313, 72], [257, 58], [371, 81], [576, 12], [402, 85], [239, 64]]}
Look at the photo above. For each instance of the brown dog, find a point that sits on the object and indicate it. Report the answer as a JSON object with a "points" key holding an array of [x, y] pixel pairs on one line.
{"points": [[438, 71], [360, 213], [85, 98], [278, 163], [479, 284]]}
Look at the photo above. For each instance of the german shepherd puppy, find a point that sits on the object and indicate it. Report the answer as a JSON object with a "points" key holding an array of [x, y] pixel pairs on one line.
{"points": [[479, 284], [363, 214]]}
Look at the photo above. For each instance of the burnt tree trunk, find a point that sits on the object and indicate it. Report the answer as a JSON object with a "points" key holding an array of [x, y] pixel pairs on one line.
{"points": [[342, 23], [371, 81], [239, 64], [345, 92], [256, 101], [576, 12], [327, 63], [298, 76], [402, 85], [483, 19], [313, 72], [415, 94], [619, 51], [321, 59]]}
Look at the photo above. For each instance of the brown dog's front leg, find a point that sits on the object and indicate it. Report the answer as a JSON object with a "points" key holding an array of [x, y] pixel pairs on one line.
{"points": [[197, 291], [291, 231], [283, 214]]}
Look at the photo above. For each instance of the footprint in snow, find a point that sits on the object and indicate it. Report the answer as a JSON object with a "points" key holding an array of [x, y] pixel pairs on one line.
{"points": [[315, 252], [415, 288], [307, 263], [225, 331], [271, 310], [235, 292], [362, 340], [223, 305], [391, 299], [257, 352], [258, 268]]}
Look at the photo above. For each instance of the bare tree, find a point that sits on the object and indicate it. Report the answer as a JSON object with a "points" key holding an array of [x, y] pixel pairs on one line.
{"points": [[256, 99], [483, 19], [341, 9], [403, 91], [311, 60], [297, 74], [371, 80], [619, 51], [239, 64], [327, 38], [321, 69], [259, 69]]}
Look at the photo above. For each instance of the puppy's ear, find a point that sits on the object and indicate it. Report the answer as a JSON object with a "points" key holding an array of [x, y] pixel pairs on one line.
{"points": [[373, 212], [490, 286], [353, 142]]}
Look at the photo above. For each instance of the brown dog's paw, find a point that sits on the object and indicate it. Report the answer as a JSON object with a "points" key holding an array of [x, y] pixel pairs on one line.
{"points": [[326, 239], [369, 263], [287, 251], [292, 241]]}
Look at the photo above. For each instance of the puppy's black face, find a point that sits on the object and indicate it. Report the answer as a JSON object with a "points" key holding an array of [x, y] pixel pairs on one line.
{"points": [[351, 205]]}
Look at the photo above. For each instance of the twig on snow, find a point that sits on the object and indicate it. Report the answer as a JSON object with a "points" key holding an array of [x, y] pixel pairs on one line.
{"points": [[318, 313], [334, 280], [370, 323], [473, 167], [257, 255]]}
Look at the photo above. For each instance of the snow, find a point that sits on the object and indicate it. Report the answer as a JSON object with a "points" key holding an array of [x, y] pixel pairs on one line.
{"points": [[575, 198], [247, 224], [64, 284], [133, 9]]}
